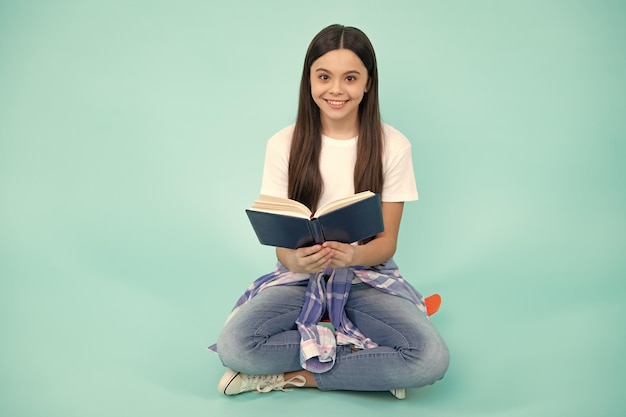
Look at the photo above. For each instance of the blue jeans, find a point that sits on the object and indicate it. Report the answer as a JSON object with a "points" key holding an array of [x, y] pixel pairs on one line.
{"points": [[262, 339]]}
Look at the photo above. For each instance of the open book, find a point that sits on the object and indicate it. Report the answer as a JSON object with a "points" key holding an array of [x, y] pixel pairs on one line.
{"points": [[290, 224]]}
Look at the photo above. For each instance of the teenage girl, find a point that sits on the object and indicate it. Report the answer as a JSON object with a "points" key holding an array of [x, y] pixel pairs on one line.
{"points": [[383, 339]]}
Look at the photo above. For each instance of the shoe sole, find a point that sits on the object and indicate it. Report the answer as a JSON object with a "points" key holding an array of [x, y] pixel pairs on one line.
{"points": [[228, 376], [399, 393]]}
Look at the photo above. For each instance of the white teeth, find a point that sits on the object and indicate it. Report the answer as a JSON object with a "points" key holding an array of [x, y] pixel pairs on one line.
{"points": [[335, 103]]}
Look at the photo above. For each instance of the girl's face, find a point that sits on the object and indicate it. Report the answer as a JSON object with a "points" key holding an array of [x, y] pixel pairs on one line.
{"points": [[338, 82]]}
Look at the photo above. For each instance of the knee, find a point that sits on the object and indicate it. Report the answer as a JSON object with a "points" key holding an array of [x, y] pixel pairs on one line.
{"points": [[439, 360], [429, 363], [233, 350]]}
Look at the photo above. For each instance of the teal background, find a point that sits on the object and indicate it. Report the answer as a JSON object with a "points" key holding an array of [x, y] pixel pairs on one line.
{"points": [[132, 136]]}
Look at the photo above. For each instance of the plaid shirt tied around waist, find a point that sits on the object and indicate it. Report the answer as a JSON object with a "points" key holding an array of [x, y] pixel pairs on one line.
{"points": [[327, 292]]}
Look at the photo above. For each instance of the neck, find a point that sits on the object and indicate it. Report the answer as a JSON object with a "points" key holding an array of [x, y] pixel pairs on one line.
{"points": [[340, 129]]}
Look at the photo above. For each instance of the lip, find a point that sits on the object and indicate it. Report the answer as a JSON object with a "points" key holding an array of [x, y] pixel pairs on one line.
{"points": [[336, 104]]}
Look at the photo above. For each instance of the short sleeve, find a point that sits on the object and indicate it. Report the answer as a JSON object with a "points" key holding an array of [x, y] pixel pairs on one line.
{"points": [[276, 166], [399, 177]]}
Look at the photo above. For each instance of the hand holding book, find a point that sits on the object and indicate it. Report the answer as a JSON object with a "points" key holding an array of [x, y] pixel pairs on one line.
{"points": [[287, 223]]}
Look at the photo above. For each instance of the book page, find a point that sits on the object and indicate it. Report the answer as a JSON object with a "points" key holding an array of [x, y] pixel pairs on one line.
{"points": [[284, 206], [342, 202]]}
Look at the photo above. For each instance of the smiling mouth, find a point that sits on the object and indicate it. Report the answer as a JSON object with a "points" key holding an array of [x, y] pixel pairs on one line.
{"points": [[337, 104]]}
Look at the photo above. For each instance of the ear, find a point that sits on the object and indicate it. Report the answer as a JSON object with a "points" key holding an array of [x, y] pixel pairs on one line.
{"points": [[368, 85]]}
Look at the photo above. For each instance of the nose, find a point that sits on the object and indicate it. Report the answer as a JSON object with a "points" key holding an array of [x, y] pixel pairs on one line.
{"points": [[335, 87]]}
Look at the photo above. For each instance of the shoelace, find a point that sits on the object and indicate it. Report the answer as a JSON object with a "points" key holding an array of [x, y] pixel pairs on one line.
{"points": [[267, 383]]}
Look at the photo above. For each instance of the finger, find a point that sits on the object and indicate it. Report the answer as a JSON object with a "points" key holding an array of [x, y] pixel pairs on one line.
{"points": [[308, 251], [337, 246], [321, 260], [320, 257]]}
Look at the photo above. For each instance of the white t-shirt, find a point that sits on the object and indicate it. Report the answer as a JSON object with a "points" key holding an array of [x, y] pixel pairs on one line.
{"points": [[337, 161]]}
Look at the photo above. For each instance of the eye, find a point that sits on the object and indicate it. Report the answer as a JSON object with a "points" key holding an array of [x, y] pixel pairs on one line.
{"points": [[324, 77], [350, 78]]}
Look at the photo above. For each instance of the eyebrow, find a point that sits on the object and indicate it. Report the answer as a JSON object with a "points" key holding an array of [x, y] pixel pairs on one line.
{"points": [[345, 73]]}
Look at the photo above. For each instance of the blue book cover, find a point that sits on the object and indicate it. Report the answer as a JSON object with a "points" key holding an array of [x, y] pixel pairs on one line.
{"points": [[349, 220]]}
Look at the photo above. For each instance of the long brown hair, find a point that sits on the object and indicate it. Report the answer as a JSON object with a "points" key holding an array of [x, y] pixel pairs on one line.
{"points": [[305, 180]]}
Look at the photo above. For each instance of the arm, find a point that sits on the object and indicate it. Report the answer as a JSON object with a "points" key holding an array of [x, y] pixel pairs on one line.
{"points": [[339, 255], [375, 252]]}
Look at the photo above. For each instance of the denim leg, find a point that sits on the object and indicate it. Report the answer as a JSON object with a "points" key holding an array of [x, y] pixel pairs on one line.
{"points": [[262, 337], [410, 354]]}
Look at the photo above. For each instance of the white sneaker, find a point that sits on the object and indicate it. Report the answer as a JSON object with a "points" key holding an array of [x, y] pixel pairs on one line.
{"points": [[399, 393], [233, 382]]}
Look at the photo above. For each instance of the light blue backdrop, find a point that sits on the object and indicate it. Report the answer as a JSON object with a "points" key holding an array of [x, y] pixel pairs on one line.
{"points": [[131, 141]]}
